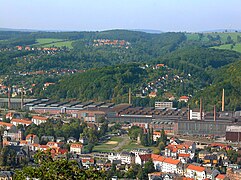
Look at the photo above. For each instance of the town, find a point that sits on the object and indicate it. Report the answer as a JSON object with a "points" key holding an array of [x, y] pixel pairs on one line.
{"points": [[178, 143]]}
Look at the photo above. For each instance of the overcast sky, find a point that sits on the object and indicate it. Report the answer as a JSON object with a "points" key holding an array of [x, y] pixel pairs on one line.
{"points": [[79, 15]]}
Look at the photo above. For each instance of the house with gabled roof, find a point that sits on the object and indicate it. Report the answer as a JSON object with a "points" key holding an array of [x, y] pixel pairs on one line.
{"points": [[172, 166], [32, 139], [24, 122], [8, 126], [39, 120], [196, 172], [142, 158], [157, 161], [76, 148]]}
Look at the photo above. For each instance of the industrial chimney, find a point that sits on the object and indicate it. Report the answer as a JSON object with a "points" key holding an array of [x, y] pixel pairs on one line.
{"points": [[9, 97], [22, 100], [201, 110], [214, 113], [188, 116], [129, 95], [223, 101]]}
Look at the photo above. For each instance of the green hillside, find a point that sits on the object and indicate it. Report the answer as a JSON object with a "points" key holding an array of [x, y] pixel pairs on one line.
{"points": [[228, 78]]}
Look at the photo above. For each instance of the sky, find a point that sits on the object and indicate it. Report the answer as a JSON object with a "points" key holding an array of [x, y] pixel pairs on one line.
{"points": [[97, 15]]}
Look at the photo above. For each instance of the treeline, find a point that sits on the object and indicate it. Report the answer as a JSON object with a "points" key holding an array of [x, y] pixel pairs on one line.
{"points": [[100, 84]]}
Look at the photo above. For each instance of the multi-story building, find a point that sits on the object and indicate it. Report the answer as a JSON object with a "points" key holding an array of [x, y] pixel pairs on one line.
{"points": [[196, 172], [76, 148]]}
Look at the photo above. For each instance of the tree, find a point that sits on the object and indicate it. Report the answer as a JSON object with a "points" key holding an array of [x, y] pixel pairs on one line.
{"points": [[161, 146], [229, 40], [59, 169], [134, 132], [238, 39], [149, 167], [163, 137]]}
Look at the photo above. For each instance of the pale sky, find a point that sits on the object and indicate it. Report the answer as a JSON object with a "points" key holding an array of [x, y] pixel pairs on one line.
{"points": [[80, 15]]}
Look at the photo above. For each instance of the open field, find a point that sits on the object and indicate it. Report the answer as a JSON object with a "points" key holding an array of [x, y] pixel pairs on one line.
{"points": [[50, 42], [68, 44], [110, 145], [223, 36], [42, 41], [237, 47]]}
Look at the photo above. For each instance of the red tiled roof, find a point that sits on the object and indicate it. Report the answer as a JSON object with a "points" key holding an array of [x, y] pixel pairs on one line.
{"points": [[184, 155], [30, 135], [145, 157], [23, 142], [184, 97], [159, 158], [44, 146], [9, 114], [196, 168], [23, 121], [40, 118], [221, 176], [63, 151], [217, 144], [6, 124], [75, 145], [91, 160], [171, 161], [156, 133]]}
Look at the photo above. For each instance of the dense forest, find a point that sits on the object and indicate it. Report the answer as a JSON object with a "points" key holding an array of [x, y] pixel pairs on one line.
{"points": [[111, 62]]}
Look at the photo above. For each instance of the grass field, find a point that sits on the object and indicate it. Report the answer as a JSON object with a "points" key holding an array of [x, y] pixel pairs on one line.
{"points": [[42, 41], [109, 145], [50, 42], [237, 47], [223, 36], [60, 44]]}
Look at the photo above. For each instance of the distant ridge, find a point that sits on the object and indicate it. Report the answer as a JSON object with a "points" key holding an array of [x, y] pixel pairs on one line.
{"points": [[221, 30], [151, 31]]}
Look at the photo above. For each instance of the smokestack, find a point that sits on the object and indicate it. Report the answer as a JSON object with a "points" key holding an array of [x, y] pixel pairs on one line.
{"points": [[129, 95], [22, 101], [188, 117], [9, 97], [214, 113], [223, 101], [201, 110]]}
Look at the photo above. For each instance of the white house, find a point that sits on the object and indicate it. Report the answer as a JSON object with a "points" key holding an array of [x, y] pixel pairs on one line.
{"points": [[125, 157], [157, 161], [39, 120], [76, 148], [196, 172], [170, 165], [24, 122]]}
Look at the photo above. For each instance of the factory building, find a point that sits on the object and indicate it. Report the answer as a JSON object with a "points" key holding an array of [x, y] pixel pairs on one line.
{"points": [[197, 127], [233, 133]]}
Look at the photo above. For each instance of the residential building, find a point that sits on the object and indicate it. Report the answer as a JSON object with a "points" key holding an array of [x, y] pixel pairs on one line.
{"points": [[170, 165], [39, 120], [196, 172], [87, 162], [125, 157], [8, 126], [76, 148], [142, 159], [183, 99], [157, 161], [32, 139], [24, 122]]}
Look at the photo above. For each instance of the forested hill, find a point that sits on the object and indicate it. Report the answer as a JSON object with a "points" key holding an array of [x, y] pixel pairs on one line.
{"points": [[227, 78], [116, 60], [99, 84]]}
